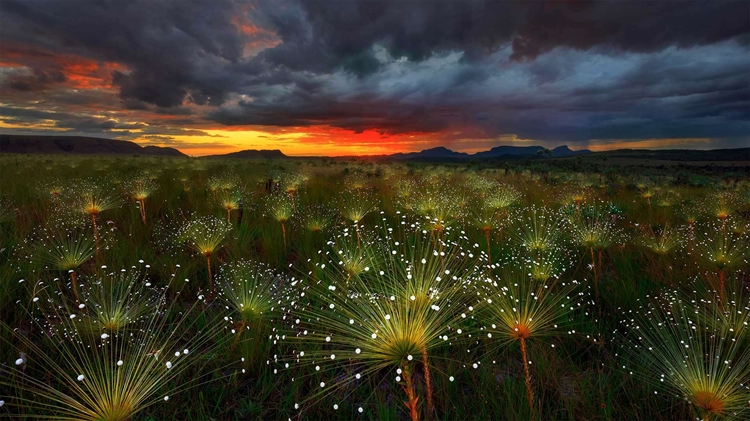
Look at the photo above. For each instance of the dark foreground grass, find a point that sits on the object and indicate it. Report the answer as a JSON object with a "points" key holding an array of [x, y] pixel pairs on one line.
{"points": [[587, 370]]}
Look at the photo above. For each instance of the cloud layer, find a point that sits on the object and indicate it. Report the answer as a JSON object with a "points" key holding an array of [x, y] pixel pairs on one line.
{"points": [[462, 72]]}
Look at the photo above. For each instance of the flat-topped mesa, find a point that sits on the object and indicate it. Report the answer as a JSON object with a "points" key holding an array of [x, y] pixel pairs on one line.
{"points": [[78, 145]]}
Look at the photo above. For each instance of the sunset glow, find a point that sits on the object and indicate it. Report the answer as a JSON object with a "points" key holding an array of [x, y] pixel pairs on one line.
{"points": [[333, 78]]}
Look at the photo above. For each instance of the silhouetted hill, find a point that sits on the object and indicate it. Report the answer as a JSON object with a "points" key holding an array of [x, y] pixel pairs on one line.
{"points": [[564, 150], [78, 145], [738, 154], [442, 153], [439, 152], [253, 154], [509, 150]]}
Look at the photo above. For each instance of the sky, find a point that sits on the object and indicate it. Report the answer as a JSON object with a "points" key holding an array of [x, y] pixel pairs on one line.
{"points": [[351, 77]]}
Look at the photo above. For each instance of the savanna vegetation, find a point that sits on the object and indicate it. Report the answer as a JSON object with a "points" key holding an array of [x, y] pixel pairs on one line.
{"points": [[195, 289]]}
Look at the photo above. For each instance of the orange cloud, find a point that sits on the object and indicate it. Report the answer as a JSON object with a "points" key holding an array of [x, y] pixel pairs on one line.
{"points": [[257, 39], [80, 72]]}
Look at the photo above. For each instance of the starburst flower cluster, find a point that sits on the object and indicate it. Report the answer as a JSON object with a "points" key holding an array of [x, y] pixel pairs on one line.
{"points": [[695, 347], [116, 354]]}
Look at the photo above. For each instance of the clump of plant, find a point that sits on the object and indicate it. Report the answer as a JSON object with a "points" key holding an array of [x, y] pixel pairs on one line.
{"points": [[317, 218], [281, 209], [518, 308], [595, 231], [354, 207], [229, 200], [388, 316], [661, 239], [205, 235], [139, 190], [120, 374], [538, 230], [251, 291], [92, 201], [116, 302], [66, 251], [685, 346], [721, 250]]}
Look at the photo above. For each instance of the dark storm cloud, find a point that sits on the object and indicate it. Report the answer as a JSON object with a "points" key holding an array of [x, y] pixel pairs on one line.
{"points": [[323, 35], [172, 49], [551, 70], [27, 117], [85, 124], [37, 80], [324, 42]]}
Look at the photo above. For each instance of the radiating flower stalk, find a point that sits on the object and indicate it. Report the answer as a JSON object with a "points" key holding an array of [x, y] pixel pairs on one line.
{"points": [[486, 219], [595, 231], [229, 201], [115, 374], [94, 201], [520, 308], [407, 302], [141, 189], [66, 251], [661, 240], [724, 205], [205, 235], [250, 289], [292, 183], [355, 207], [721, 251], [695, 347], [690, 216], [317, 218], [116, 303], [538, 230], [647, 193], [281, 209]]}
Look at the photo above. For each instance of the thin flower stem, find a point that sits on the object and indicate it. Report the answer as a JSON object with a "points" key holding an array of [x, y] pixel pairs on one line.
{"points": [[409, 389], [283, 233], [487, 238], [74, 281], [428, 384], [210, 276], [529, 391], [96, 233]]}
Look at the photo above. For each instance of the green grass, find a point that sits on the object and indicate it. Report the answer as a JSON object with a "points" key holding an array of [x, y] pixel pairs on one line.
{"points": [[613, 244]]}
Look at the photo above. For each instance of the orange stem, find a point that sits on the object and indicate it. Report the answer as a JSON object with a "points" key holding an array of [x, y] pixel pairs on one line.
{"points": [[409, 389], [428, 384], [143, 210], [283, 233], [529, 391], [74, 281]]}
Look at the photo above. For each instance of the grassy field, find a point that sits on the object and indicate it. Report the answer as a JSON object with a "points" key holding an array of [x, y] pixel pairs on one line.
{"points": [[195, 289]]}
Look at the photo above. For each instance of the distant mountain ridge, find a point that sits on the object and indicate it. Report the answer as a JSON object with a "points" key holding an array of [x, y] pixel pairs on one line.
{"points": [[252, 154], [497, 152], [78, 145], [81, 145]]}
